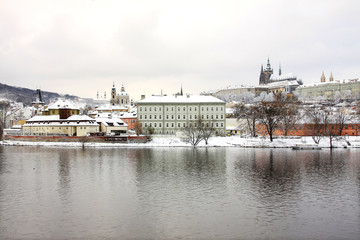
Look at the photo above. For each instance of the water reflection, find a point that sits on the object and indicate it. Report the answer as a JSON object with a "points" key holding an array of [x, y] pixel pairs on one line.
{"points": [[64, 166], [179, 193]]}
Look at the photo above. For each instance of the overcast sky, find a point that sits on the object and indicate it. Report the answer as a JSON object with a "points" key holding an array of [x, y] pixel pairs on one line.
{"points": [[81, 47]]}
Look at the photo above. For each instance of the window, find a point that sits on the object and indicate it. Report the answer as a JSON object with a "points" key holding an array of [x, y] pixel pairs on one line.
{"points": [[160, 110], [154, 116], [190, 117], [184, 117], [172, 116], [145, 117], [202, 108], [178, 125], [178, 108], [159, 116], [217, 109], [145, 108], [212, 109], [149, 116], [222, 117], [184, 125], [189, 108], [145, 124], [222, 125], [183, 108], [217, 116], [154, 108], [154, 124], [217, 124], [178, 117], [195, 116], [150, 110], [167, 116], [172, 125], [167, 125], [207, 116], [167, 109], [195, 109], [159, 124]]}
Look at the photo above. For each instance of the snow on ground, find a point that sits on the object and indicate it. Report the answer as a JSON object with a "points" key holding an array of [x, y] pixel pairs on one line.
{"points": [[234, 141]]}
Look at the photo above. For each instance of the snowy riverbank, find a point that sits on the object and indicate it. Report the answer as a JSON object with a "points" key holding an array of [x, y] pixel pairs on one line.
{"points": [[348, 142]]}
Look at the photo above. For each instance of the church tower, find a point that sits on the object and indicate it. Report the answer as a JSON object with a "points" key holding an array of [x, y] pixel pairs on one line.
{"points": [[113, 95], [322, 79], [331, 78]]}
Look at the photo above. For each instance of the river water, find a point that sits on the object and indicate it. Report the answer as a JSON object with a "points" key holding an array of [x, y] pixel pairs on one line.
{"points": [[178, 193]]}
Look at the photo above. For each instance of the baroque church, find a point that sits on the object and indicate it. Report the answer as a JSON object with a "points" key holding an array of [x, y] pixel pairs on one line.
{"points": [[121, 98]]}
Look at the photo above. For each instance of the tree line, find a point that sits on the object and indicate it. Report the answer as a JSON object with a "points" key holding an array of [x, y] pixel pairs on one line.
{"points": [[283, 113]]}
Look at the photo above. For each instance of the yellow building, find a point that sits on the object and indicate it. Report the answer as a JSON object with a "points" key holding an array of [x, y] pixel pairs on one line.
{"points": [[54, 108], [75, 125]]}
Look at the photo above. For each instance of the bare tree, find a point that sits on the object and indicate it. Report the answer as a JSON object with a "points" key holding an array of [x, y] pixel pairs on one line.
{"points": [[319, 119], [290, 113], [138, 128], [271, 114], [4, 109], [193, 134], [250, 113], [206, 128]]}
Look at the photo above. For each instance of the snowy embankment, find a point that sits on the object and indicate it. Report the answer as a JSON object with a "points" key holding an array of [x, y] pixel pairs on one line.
{"points": [[348, 142]]}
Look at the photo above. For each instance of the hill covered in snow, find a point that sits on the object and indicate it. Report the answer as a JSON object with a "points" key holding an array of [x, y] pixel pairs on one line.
{"points": [[27, 96]]}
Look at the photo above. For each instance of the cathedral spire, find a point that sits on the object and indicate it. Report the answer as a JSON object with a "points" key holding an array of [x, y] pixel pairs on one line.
{"points": [[331, 78], [181, 91], [279, 69]]}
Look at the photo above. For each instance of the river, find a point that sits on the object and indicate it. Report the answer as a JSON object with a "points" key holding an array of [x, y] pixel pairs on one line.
{"points": [[178, 193]]}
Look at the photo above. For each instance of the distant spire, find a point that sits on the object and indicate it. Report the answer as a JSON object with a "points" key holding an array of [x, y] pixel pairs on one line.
{"points": [[181, 91], [331, 78], [122, 88], [262, 68], [268, 66], [322, 79], [279, 69]]}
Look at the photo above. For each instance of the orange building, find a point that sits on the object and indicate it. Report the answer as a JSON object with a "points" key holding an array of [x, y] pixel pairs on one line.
{"points": [[129, 118]]}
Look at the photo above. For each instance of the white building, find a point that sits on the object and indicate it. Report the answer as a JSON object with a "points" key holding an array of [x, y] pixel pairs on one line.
{"points": [[110, 125], [170, 114]]}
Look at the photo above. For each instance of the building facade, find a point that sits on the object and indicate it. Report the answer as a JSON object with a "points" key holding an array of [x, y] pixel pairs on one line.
{"points": [[170, 114], [345, 89], [76, 125]]}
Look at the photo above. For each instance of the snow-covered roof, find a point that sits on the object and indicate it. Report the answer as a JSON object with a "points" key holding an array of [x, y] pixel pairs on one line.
{"points": [[111, 122], [283, 83], [61, 103], [283, 76], [181, 99], [54, 120], [127, 115]]}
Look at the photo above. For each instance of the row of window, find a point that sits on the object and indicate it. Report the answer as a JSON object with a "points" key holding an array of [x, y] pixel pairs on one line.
{"points": [[179, 117], [181, 109], [47, 128], [180, 125]]}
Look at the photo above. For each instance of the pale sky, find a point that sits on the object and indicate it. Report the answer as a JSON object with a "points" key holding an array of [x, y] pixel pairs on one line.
{"points": [[81, 47]]}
